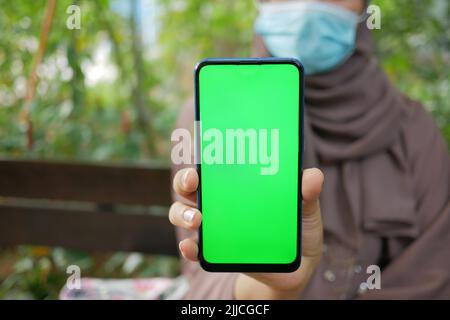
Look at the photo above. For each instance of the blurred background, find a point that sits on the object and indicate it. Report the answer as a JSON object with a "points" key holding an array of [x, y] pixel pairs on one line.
{"points": [[110, 92]]}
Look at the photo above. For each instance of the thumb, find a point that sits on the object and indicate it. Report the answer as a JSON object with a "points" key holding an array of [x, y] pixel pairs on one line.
{"points": [[312, 229]]}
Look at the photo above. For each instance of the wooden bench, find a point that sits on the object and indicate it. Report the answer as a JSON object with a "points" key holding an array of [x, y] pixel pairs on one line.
{"points": [[86, 206]]}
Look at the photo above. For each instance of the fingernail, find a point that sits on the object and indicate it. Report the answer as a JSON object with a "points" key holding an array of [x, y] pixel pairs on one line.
{"points": [[185, 177], [189, 215], [179, 247], [180, 244]]}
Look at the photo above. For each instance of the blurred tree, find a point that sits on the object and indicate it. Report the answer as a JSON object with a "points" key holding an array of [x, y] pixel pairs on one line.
{"points": [[72, 117], [194, 29], [75, 117], [414, 47]]}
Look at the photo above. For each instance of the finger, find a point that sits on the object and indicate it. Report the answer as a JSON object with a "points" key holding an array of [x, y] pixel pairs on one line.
{"points": [[185, 183], [312, 182], [184, 216], [312, 229], [189, 249]]}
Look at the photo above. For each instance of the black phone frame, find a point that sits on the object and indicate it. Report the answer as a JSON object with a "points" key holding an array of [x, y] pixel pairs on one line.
{"points": [[253, 267]]}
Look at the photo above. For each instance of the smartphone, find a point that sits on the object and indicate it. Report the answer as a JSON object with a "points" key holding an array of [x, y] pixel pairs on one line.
{"points": [[249, 148]]}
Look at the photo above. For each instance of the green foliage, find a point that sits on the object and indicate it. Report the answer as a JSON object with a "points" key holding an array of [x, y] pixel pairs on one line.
{"points": [[70, 119], [195, 29], [110, 120], [414, 47], [40, 272]]}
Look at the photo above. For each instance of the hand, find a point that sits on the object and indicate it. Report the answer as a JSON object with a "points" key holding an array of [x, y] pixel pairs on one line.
{"points": [[258, 285]]}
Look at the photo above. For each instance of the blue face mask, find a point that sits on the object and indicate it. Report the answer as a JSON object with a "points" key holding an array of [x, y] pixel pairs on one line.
{"points": [[321, 35]]}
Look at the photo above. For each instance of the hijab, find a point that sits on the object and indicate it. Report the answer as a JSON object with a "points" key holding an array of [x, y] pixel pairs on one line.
{"points": [[352, 127]]}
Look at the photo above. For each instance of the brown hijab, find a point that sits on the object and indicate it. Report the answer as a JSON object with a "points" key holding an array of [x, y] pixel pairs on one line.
{"points": [[386, 197], [353, 128]]}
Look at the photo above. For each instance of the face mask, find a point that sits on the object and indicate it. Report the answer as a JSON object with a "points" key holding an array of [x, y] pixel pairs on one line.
{"points": [[321, 35]]}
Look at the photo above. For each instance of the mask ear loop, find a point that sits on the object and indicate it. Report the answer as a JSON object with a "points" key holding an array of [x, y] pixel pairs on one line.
{"points": [[364, 15]]}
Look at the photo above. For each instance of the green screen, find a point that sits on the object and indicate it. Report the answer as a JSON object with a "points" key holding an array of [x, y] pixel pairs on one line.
{"points": [[249, 217]]}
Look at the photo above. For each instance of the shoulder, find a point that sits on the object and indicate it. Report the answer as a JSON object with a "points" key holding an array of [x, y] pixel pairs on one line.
{"points": [[428, 159], [422, 137]]}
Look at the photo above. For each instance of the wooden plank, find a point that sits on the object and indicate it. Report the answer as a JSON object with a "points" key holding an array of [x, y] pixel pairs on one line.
{"points": [[85, 182], [92, 231]]}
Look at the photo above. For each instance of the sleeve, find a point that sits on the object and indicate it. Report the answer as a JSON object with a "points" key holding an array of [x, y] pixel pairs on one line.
{"points": [[202, 284], [206, 285], [422, 269]]}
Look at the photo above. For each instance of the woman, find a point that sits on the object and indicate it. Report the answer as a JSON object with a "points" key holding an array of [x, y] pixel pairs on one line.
{"points": [[386, 196]]}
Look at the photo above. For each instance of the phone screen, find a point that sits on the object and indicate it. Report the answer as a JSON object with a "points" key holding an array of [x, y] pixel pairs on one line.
{"points": [[250, 143]]}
